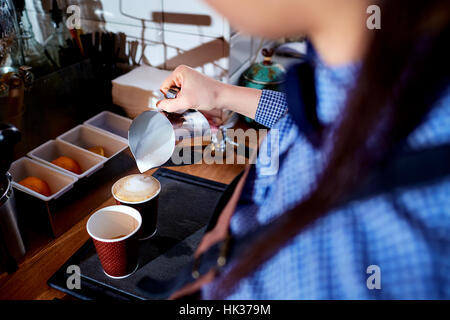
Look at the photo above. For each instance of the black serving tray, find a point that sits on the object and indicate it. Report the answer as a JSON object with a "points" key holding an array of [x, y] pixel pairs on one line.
{"points": [[186, 205]]}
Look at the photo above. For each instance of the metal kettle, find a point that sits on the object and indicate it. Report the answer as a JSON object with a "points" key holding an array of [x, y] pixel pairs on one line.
{"points": [[12, 247], [265, 74]]}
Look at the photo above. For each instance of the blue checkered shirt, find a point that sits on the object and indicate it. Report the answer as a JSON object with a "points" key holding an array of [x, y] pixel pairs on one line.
{"points": [[331, 258]]}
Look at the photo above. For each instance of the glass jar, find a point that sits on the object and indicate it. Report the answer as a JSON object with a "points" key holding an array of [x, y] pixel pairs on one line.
{"points": [[10, 48], [34, 53]]}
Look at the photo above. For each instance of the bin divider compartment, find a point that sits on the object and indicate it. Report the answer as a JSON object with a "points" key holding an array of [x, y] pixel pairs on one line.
{"points": [[52, 149], [85, 137], [111, 123]]}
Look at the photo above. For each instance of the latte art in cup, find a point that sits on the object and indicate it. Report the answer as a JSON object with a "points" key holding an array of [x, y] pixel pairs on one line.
{"points": [[136, 188], [141, 192]]}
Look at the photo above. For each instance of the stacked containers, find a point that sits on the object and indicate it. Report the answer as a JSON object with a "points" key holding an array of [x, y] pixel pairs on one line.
{"points": [[106, 129]]}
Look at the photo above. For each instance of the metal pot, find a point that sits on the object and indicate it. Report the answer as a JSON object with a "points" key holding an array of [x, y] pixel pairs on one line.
{"points": [[265, 74], [153, 135], [12, 247]]}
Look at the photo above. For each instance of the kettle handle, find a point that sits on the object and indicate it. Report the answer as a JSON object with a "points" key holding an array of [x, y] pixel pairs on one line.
{"points": [[267, 53]]}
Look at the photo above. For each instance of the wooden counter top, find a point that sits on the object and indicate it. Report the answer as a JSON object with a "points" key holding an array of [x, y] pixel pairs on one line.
{"points": [[48, 255], [54, 105]]}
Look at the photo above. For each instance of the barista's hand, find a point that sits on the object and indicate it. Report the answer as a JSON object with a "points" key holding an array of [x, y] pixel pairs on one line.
{"points": [[203, 93], [197, 91]]}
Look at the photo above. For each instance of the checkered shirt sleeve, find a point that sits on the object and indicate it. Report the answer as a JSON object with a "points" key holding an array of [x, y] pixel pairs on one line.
{"points": [[271, 107]]}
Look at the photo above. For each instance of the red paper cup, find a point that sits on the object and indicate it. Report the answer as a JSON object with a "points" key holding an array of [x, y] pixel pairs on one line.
{"points": [[114, 230]]}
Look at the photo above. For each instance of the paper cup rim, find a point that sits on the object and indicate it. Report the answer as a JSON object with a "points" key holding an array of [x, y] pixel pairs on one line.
{"points": [[136, 202], [124, 276], [121, 209]]}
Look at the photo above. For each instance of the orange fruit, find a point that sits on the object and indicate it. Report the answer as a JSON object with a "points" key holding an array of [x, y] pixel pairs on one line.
{"points": [[68, 164], [36, 184], [98, 150]]}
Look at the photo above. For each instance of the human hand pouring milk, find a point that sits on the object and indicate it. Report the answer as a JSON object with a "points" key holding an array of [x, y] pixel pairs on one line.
{"points": [[153, 135]]}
